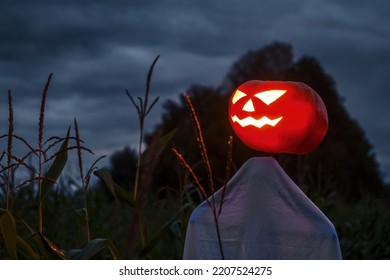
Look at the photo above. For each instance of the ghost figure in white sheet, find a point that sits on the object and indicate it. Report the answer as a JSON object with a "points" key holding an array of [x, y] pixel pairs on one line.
{"points": [[265, 215]]}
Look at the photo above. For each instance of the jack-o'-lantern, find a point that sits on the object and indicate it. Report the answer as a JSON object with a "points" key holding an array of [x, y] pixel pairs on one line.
{"points": [[278, 116]]}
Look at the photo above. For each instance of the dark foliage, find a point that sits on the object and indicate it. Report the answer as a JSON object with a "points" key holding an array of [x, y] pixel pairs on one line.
{"points": [[122, 167]]}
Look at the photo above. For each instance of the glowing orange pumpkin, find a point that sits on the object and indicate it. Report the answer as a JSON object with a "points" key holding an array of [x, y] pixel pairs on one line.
{"points": [[278, 117]]}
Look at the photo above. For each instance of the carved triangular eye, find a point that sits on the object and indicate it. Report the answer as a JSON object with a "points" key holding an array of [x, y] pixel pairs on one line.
{"points": [[237, 96], [248, 107], [269, 96]]}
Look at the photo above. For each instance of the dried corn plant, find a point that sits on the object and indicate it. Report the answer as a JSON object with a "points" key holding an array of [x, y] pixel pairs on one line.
{"points": [[210, 182]]}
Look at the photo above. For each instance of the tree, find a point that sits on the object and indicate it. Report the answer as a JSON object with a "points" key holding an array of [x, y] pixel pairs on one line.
{"points": [[123, 166]]}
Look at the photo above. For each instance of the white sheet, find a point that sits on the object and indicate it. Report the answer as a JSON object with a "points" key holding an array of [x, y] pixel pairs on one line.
{"points": [[264, 216]]}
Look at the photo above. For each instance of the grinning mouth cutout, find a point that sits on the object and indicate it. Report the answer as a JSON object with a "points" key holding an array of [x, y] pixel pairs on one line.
{"points": [[259, 123]]}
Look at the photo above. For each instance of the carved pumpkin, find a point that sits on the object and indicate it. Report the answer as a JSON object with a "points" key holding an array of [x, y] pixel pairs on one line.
{"points": [[278, 117]]}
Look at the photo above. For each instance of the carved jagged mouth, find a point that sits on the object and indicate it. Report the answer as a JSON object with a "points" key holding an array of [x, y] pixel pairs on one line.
{"points": [[257, 123]]}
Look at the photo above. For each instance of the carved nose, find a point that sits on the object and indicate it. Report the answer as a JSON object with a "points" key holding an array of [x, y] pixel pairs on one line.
{"points": [[248, 107]]}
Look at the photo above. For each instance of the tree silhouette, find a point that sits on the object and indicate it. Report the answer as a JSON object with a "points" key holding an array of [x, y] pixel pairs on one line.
{"points": [[122, 167]]}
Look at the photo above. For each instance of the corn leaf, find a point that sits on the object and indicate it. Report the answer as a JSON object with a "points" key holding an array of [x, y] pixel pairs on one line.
{"points": [[37, 241], [95, 246], [162, 231], [56, 168], [105, 175], [25, 249], [52, 248], [47, 249], [157, 147], [72, 253], [8, 233], [116, 190]]}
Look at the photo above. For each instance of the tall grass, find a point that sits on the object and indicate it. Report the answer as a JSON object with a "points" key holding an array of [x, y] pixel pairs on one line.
{"points": [[210, 181], [45, 164], [9, 176], [142, 110], [85, 179], [141, 240]]}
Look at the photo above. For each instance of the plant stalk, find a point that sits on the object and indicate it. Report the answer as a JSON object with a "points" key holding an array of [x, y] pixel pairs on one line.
{"points": [[87, 218], [218, 234], [40, 212], [9, 149], [41, 151], [138, 167], [83, 180]]}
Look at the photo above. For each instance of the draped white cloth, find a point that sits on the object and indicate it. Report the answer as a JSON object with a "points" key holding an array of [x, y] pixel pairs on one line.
{"points": [[264, 216]]}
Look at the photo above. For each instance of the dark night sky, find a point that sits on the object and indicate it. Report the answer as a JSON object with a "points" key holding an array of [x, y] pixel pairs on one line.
{"points": [[97, 49]]}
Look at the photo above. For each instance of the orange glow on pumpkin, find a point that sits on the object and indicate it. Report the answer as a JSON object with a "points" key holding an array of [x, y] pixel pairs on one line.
{"points": [[278, 117]]}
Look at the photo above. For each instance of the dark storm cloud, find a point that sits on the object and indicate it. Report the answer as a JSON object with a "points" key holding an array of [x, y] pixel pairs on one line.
{"points": [[97, 49]]}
